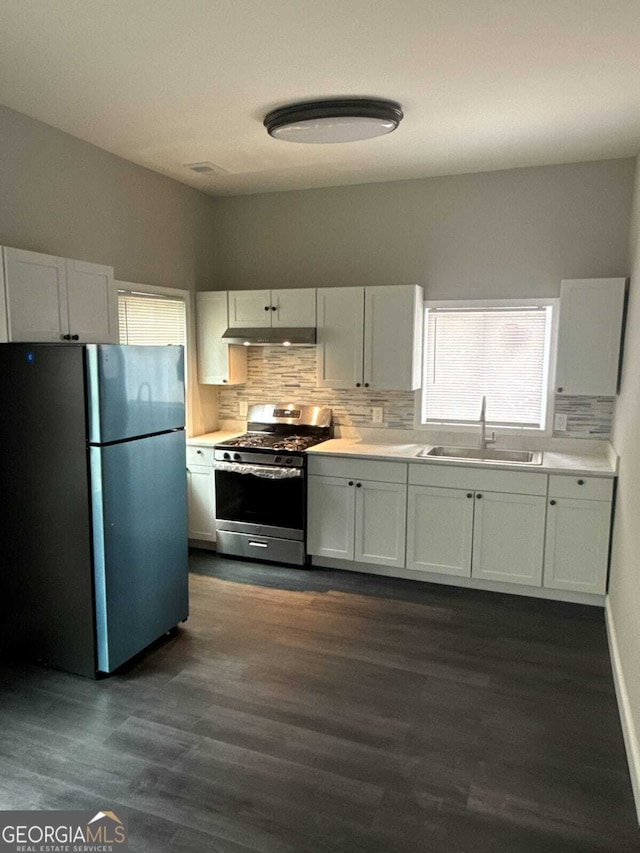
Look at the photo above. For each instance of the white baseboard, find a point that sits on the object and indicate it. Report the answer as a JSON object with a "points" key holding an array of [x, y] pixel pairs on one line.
{"points": [[631, 739], [468, 583]]}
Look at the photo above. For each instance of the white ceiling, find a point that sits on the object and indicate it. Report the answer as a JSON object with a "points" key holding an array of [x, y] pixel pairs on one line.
{"points": [[484, 84]]}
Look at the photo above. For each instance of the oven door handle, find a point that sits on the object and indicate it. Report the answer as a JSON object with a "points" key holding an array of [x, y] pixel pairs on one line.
{"points": [[267, 472]]}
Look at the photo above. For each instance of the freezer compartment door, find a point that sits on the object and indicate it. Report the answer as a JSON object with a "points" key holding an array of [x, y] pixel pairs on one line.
{"points": [[134, 390], [139, 500]]}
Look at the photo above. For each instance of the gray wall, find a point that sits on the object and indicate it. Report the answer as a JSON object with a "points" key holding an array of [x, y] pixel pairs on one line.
{"points": [[624, 585], [510, 233], [62, 196], [65, 197]]}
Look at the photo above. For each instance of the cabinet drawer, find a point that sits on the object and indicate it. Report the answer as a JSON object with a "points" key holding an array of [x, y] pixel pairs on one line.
{"points": [[585, 488], [358, 469], [471, 477], [199, 455]]}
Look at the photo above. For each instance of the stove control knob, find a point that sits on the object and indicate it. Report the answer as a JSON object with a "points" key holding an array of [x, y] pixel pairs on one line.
{"points": [[226, 456], [237, 457], [289, 460], [278, 459]]}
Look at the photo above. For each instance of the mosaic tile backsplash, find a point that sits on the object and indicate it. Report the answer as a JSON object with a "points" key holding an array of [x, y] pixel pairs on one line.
{"points": [[278, 373], [587, 417]]}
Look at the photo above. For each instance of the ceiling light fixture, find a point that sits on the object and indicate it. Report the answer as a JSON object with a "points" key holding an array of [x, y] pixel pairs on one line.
{"points": [[334, 120]]}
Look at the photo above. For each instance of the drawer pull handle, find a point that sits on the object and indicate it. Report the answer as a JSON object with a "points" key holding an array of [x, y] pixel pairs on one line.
{"points": [[581, 482], [553, 503], [469, 494], [259, 544], [357, 384], [351, 482], [199, 452], [478, 496], [358, 485]]}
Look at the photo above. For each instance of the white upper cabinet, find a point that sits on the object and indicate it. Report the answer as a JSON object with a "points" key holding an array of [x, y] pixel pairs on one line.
{"points": [[261, 309], [91, 302], [293, 309], [370, 337], [219, 363], [393, 320], [53, 299], [249, 309], [36, 296], [340, 336], [589, 336]]}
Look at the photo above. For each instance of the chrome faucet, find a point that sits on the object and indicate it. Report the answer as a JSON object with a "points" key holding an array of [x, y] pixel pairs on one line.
{"points": [[484, 441]]}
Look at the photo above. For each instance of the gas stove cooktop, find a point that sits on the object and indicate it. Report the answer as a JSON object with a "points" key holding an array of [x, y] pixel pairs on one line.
{"points": [[289, 443], [279, 433]]}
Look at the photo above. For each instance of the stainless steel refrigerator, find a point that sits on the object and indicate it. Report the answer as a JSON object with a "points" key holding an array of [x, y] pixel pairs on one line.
{"points": [[93, 523]]}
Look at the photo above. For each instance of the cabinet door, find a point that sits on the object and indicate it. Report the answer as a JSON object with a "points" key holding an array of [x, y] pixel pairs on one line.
{"points": [[330, 517], [36, 296], [249, 309], [219, 363], [202, 502], [589, 336], [340, 336], [92, 302], [380, 530], [577, 547], [393, 337], [295, 308], [508, 538], [439, 530]]}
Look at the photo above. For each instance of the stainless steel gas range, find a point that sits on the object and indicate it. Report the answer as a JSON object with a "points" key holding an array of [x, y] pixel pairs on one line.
{"points": [[261, 482]]}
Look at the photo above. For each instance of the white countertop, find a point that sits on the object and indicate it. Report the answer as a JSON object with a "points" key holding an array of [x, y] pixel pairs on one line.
{"points": [[598, 464], [211, 438]]}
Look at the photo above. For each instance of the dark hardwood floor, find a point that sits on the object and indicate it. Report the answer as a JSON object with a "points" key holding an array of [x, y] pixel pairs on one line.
{"points": [[317, 711]]}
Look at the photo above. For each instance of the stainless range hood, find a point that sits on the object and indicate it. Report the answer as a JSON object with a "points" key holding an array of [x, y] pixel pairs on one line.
{"points": [[303, 337]]}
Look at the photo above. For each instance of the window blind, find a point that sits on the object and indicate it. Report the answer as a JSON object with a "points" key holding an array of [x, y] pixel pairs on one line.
{"points": [[502, 353], [148, 319]]}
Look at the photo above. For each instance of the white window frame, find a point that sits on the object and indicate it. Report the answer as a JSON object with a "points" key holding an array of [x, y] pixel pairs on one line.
{"points": [[189, 355], [444, 427]]}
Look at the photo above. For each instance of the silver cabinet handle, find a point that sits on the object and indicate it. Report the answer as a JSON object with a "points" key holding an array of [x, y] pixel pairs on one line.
{"points": [[259, 544]]}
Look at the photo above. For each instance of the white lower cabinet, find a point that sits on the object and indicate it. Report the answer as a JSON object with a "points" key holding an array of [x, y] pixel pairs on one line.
{"points": [[439, 530], [357, 517], [508, 538], [491, 535], [331, 507], [577, 545], [512, 527], [201, 493], [476, 523], [381, 512]]}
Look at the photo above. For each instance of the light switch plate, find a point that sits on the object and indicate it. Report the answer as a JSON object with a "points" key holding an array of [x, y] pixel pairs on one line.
{"points": [[376, 415], [243, 408], [560, 423]]}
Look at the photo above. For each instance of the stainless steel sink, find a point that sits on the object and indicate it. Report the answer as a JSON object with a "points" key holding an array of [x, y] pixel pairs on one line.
{"points": [[491, 454]]}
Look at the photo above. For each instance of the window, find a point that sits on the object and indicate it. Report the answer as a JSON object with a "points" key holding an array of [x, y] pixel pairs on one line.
{"points": [[147, 318], [498, 351]]}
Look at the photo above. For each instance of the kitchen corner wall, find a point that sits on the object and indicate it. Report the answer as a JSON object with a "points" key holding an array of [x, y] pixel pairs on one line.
{"points": [[282, 373], [62, 196]]}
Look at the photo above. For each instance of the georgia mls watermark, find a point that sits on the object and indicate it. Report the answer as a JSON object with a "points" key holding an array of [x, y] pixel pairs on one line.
{"points": [[63, 832]]}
